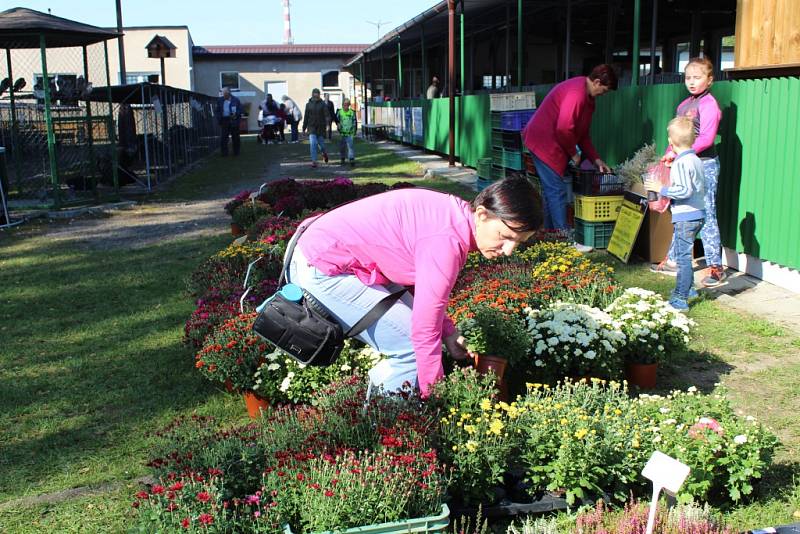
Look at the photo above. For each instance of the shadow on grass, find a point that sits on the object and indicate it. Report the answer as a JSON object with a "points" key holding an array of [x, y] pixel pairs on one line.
{"points": [[91, 358]]}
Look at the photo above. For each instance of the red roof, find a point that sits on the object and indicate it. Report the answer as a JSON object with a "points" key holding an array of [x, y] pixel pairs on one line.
{"points": [[341, 49]]}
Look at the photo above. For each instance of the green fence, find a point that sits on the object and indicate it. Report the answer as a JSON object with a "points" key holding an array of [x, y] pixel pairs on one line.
{"points": [[758, 148], [472, 141], [758, 145]]}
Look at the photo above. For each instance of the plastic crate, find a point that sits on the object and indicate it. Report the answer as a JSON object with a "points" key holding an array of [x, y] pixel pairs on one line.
{"points": [[511, 101], [595, 183], [593, 234], [598, 209], [484, 168], [510, 140], [482, 183], [507, 158], [434, 523], [498, 172]]}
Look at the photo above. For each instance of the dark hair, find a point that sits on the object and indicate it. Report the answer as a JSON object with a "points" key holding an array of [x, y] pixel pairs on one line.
{"points": [[513, 200], [605, 73]]}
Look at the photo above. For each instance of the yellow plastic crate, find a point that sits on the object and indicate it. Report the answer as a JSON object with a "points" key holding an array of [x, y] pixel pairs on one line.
{"points": [[598, 209]]}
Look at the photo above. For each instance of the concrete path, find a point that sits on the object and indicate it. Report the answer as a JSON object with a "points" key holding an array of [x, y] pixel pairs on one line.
{"points": [[435, 166], [741, 291]]}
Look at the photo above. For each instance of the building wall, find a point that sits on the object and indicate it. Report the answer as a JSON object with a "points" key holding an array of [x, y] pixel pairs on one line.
{"points": [[302, 74], [27, 63]]}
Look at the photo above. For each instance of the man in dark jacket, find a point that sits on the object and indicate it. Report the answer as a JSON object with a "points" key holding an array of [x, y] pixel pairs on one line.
{"points": [[331, 115], [229, 112], [315, 120]]}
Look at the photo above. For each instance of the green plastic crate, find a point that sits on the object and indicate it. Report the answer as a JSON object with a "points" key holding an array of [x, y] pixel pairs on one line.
{"points": [[593, 234], [434, 523], [504, 157], [484, 168]]}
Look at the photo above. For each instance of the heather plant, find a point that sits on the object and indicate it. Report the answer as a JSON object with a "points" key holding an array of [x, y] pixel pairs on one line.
{"points": [[632, 519], [633, 169]]}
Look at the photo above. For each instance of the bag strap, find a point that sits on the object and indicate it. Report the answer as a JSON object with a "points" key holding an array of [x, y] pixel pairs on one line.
{"points": [[375, 313]]}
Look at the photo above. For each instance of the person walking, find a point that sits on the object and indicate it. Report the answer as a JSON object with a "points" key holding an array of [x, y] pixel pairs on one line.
{"points": [[414, 237], [229, 113], [293, 116], [560, 124], [348, 124], [331, 115], [433, 89], [315, 122]]}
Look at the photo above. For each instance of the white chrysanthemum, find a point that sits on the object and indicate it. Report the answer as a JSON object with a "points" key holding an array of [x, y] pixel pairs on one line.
{"points": [[741, 439]]}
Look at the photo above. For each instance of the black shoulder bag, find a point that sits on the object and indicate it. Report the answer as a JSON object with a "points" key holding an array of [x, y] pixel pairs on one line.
{"points": [[298, 325]]}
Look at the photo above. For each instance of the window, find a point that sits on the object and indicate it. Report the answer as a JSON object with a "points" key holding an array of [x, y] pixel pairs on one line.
{"points": [[682, 54], [330, 79], [727, 50], [138, 77], [229, 79], [500, 81]]}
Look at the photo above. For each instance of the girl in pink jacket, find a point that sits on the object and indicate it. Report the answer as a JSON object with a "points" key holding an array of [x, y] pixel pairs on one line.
{"points": [[357, 254], [704, 111]]}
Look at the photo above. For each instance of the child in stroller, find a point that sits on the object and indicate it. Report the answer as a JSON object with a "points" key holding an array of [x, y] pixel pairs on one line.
{"points": [[270, 125]]}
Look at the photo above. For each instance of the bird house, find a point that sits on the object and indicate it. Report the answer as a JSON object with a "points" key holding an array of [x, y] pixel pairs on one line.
{"points": [[160, 47]]}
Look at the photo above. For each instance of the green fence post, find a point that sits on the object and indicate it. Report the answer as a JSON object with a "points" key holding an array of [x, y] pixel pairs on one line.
{"points": [[51, 136], [111, 134], [519, 43], [637, 11]]}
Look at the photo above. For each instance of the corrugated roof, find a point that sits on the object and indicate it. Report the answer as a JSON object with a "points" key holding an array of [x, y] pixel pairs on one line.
{"points": [[341, 49], [20, 28]]}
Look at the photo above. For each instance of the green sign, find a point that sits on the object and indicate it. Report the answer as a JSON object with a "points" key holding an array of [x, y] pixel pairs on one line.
{"points": [[631, 215]]}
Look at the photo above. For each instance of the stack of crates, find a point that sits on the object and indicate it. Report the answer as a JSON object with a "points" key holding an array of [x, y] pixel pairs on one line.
{"points": [[484, 173], [510, 112], [598, 199]]}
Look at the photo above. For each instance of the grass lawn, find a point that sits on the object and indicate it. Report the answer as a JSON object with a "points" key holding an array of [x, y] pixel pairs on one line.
{"points": [[91, 358]]}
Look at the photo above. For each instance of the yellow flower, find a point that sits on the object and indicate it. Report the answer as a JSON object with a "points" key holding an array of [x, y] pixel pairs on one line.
{"points": [[470, 429], [581, 433], [486, 404], [496, 426], [564, 421], [635, 444]]}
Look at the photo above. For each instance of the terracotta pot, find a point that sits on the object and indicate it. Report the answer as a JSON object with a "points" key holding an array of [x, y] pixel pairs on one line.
{"points": [[236, 230], [496, 365], [255, 404], [641, 374]]}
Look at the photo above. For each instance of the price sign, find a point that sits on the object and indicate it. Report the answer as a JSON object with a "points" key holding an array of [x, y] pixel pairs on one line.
{"points": [[631, 215]]}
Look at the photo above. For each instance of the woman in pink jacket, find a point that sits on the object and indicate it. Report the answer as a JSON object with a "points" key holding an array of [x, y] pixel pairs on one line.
{"points": [[554, 133], [360, 252]]}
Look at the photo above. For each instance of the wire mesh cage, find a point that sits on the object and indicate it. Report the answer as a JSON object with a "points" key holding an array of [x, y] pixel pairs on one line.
{"points": [[161, 132], [59, 147]]}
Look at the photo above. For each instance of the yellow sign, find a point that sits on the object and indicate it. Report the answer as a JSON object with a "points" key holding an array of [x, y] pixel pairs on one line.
{"points": [[631, 215]]}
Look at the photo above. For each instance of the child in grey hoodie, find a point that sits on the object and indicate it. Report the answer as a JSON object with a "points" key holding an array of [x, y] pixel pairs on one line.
{"points": [[687, 190]]}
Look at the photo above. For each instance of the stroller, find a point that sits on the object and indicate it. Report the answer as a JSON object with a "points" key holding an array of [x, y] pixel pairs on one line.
{"points": [[269, 129]]}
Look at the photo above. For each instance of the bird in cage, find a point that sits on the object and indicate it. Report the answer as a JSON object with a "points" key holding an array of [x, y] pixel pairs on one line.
{"points": [[83, 88], [19, 85], [4, 85]]}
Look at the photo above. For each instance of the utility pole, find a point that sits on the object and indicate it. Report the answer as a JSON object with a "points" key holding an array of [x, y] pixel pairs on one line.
{"points": [[122, 74], [378, 25]]}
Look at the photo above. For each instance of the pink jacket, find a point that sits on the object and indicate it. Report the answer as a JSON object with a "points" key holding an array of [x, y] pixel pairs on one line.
{"points": [[705, 114], [412, 237], [561, 122]]}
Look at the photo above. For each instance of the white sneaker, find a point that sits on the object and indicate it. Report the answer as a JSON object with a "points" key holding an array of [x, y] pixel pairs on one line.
{"points": [[583, 248]]}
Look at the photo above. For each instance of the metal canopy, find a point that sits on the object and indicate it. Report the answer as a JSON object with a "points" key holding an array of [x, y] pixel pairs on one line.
{"points": [[22, 27]]}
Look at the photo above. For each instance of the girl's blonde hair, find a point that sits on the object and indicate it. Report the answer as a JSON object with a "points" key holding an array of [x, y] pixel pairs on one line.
{"points": [[703, 63]]}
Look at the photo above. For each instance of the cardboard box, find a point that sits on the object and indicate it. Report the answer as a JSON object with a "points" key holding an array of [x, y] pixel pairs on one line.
{"points": [[655, 237]]}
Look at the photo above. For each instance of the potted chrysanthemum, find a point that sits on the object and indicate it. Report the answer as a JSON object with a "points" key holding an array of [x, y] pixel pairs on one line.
{"points": [[653, 329]]}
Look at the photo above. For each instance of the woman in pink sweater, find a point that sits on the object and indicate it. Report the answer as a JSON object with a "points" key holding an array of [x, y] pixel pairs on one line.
{"points": [[360, 252], [554, 133]]}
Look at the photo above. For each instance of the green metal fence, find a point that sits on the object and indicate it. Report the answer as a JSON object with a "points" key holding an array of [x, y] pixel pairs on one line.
{"points": [[758, 145]]}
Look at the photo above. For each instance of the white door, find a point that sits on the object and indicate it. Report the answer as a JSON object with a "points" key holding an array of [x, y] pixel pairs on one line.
{"points": [[276, 89]]}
